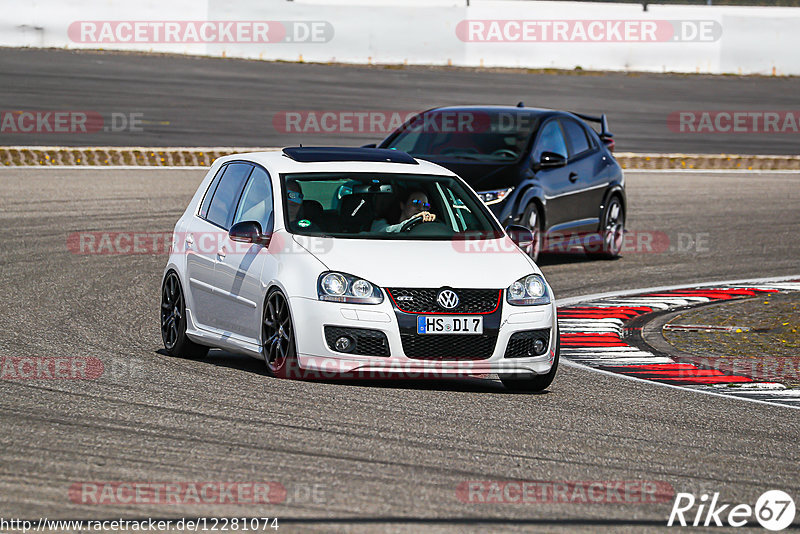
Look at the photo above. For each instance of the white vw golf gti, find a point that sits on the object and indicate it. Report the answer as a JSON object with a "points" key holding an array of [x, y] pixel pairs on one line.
{"points": [[355, 261]]}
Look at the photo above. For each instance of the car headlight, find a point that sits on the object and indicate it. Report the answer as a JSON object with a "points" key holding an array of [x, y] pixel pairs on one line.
{"points": [[530, 290], [341, 287], [495, 196]]}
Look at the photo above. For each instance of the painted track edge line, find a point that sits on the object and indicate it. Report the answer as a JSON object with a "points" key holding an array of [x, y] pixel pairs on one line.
{"points": [[748, 281], [577, 365], [571, 301]]}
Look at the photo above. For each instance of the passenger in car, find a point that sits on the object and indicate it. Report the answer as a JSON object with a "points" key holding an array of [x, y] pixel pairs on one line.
{"points": [[301, 213]]}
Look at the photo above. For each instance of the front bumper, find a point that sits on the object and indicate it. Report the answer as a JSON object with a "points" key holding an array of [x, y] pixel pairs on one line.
{"points": [[311, 316]]}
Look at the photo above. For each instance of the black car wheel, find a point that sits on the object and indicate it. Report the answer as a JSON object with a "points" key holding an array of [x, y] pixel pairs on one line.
{"points": [[612, 232], [277, 334], [532, 219], [535, 383], [173, 321]]}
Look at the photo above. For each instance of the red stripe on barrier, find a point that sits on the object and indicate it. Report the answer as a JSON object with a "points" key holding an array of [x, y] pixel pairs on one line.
{"points": [[584, 315], [680, 372], [706, 294], [611, 309], [708, 380], [675, 373], [589, 334], [661, 366]]}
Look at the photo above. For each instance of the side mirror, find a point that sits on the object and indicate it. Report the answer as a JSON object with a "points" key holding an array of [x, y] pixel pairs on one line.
{"points": [[551, 160], [371, 145], [520, 235], [248, 232]]}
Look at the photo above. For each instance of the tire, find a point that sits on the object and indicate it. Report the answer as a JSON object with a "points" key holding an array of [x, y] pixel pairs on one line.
{"points": [[532, 219], [535, 383], [173, 321], [277, 335], [612, 232]]}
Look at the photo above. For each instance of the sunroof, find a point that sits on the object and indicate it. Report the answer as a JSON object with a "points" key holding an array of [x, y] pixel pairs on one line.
{"points": [[322, 153]]}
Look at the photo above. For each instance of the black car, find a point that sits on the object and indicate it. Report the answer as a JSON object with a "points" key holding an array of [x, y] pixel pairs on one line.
{"points": [[540, 168]]}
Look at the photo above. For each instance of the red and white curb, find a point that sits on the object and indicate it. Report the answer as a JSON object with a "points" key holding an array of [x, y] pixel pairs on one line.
{"points": [[593, 335]]}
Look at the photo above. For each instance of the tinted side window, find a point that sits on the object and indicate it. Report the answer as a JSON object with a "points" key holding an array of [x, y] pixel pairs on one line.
{"points": [[210, 193], [550, 140], [578, 142], [256, 203], [220, 212]]}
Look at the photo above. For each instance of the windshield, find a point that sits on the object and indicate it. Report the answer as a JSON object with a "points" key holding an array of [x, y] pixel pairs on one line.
{"points": [[384, 206], [493, 136]]}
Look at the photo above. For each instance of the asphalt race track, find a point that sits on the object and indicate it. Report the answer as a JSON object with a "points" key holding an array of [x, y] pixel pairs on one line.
{"points": [[190, 101], [380, 455]]}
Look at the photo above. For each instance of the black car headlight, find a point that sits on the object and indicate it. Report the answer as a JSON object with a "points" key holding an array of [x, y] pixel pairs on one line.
{"points": [[530, 290], [340, 287], [495, 196]]}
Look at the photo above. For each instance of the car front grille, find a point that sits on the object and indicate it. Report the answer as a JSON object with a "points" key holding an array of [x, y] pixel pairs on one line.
{"points": [[367, 342], [448, 346], [520, 344], [423, 300]]}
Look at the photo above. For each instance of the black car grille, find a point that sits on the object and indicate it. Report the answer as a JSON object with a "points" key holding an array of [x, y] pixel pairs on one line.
{"points": [[367, 342], [448, 346], [520, 344], [424, 300]]}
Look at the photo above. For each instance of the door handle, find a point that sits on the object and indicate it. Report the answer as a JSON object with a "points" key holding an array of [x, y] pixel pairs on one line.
{"points": [[189, 240], [221, 253], [573, 177]]}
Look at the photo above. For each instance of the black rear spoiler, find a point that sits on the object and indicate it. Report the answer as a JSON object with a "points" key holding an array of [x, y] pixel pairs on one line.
{"points": [[606, 136]]}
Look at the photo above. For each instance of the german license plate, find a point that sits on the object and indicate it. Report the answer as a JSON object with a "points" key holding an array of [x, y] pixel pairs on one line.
{"points": [[427, 324]]}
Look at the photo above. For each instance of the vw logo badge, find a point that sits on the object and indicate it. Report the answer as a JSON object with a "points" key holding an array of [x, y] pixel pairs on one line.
{"points": [[447, 299]]}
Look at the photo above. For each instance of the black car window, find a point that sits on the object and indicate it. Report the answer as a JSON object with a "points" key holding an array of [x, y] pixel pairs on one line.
{"points": [[256, 202], [550, 140], [576, 134], [220, 211], [468, 135], [210, 192]]}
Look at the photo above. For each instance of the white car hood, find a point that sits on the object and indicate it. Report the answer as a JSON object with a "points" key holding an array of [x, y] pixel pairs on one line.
{"points": [[495, 263]]}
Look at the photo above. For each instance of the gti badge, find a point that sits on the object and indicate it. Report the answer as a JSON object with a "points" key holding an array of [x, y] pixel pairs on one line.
{"points": [[447, 299]]}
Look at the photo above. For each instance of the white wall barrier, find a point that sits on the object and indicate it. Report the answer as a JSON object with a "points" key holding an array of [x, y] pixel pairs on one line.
{"points": [[491, 33]]}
